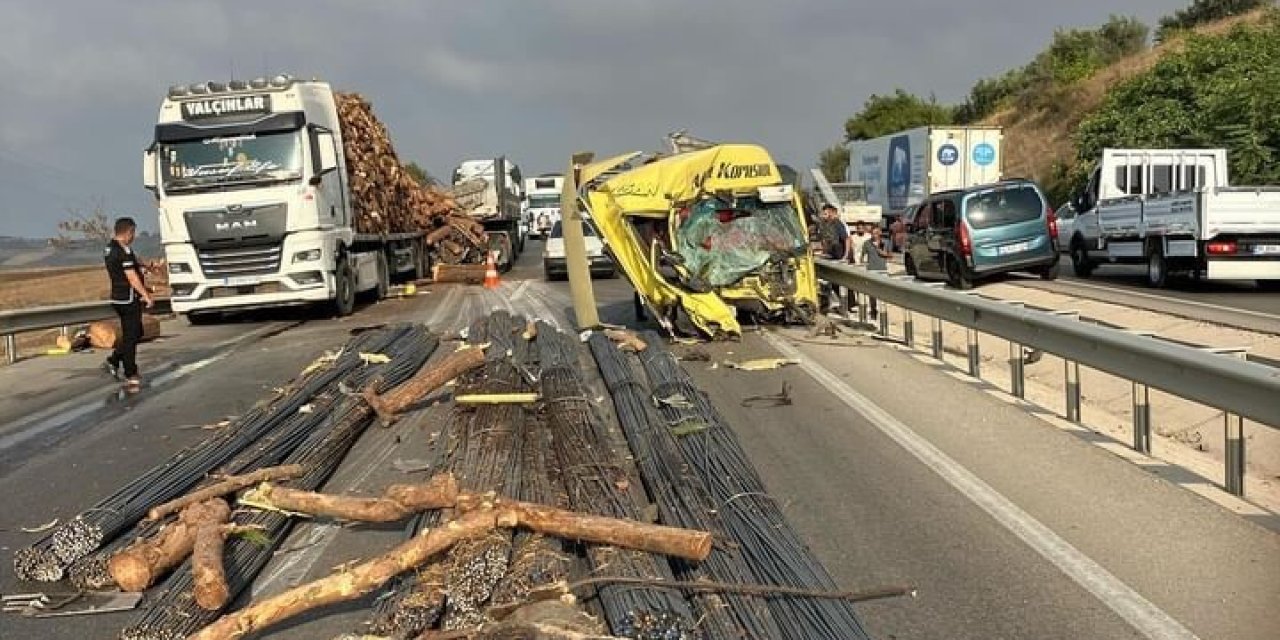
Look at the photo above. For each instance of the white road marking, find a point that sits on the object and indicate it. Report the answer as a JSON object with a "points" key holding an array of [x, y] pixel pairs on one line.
{"points": [[1139, 612]]}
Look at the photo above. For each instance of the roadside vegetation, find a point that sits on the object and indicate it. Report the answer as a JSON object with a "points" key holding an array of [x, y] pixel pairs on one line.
{"points": [[1207, 76]]}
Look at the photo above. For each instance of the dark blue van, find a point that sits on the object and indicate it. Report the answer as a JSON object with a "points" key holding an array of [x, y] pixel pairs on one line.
{"points": [[968, 234]]}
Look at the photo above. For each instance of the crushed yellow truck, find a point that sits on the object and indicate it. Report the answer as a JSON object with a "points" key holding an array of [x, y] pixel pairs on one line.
{"points": [[706, 235]]}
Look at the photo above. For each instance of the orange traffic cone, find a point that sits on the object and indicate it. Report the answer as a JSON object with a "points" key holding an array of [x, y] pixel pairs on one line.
{"points": [[491, 272]]}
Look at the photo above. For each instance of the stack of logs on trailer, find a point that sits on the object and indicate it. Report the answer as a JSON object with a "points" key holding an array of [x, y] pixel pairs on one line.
{"points": [[387, 199]]}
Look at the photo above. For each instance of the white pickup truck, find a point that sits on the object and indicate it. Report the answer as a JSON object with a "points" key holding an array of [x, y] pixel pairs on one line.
{"points": [[1173, 211]]}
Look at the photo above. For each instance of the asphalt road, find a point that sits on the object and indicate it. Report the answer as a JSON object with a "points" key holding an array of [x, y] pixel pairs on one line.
{"points": [[1055, 539], [1228, 302]]}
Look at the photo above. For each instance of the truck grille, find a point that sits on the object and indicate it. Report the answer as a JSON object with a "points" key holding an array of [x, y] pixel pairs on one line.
{"points": [[240, 261]]}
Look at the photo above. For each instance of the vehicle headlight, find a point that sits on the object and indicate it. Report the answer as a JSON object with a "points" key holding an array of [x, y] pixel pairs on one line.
{"points": [[179, 267], [306, 256]]}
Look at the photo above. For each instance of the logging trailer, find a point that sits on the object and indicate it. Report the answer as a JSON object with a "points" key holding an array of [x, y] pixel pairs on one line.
{"points": [[255, 205]]}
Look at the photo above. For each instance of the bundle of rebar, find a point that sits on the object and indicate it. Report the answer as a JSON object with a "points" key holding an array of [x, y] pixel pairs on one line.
{"points": [[175, 614], [597, 482], [88, 531], [489, 462], [774, 552], [683, 501]]}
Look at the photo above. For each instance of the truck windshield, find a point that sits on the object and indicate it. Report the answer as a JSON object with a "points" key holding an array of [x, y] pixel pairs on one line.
{"points": [[229, 160], [723, 242], [544, 202], [1003, 206]]}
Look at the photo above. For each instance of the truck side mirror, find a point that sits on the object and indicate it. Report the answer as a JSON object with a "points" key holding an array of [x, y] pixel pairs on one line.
{"points": [[326, 153], [150, 171]]}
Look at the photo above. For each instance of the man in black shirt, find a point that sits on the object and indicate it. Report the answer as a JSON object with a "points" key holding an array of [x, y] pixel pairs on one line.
{"points": [[128, 296]]}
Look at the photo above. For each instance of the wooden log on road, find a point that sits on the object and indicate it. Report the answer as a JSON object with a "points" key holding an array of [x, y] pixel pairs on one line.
{"points": [[209, 579], [431, 377], [139, 565], [225, 486], [351, 583], [458, 273], [397, 502]]}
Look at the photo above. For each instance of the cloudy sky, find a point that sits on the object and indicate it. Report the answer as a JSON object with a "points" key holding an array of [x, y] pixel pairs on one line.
{"points": [[82, 79]]}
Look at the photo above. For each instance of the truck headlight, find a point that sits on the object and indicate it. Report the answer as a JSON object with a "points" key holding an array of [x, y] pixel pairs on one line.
{"points": [[179, 267], [309, 255]]}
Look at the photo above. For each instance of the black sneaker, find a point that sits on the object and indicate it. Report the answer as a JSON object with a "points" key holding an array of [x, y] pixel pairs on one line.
{"points": [[110, 369]]}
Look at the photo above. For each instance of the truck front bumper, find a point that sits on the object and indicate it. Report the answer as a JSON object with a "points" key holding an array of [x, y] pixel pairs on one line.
{"points": [[254, 293]]}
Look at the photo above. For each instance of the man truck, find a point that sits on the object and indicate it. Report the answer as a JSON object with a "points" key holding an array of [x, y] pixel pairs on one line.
{"points": [[251, 185]]}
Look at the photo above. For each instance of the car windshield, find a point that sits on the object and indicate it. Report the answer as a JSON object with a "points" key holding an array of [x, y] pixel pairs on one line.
{"points": [[1003, 206], [557, 231], [544, 202], [225, 160]]}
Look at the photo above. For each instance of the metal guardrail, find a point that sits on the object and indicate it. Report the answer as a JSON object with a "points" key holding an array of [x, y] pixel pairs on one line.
{"points": [[16, 321], [1214, 378]]}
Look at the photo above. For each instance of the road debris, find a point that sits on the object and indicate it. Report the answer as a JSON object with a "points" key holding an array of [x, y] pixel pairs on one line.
{"points": [[780, 399], [41, 528], [56, 605], [760, 364]]}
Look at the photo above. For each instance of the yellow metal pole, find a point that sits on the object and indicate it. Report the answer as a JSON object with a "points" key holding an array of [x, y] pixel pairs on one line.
{"points": [[575, 247]]}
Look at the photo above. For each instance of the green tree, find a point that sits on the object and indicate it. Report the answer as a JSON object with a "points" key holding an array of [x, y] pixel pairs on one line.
{"points": [[834, 162], [1216, 92], [1203, 12], [882, 115], [419, 174]]}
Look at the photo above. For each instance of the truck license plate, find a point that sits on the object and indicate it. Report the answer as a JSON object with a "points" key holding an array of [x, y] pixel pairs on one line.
{"points": [[1266, 249], [1017, 247], [239, 281]]}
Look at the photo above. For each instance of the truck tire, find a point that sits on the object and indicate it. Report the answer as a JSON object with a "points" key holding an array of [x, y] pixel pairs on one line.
{"points": [[344, 294], [198, 319], [1157, 268], [384, 277], [423, 263], [1268, 285], [1080, 262]]}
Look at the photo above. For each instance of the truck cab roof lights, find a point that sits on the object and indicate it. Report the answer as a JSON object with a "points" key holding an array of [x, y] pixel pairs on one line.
{"points": [[238, 85], [258, 83], [198, 88], [217, 87], [178, 91], [282, 80]]}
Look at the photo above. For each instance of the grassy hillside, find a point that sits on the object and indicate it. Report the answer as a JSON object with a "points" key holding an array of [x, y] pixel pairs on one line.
{"points": [[1040, 135]]}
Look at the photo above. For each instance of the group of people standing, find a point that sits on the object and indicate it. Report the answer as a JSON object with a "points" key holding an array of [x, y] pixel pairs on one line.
{"points": [[863, 244]]}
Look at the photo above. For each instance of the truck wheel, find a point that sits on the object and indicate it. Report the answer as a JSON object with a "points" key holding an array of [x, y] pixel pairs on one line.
{"points": [[423, 270], [1157, 269], [384, 276], [344, 289], [1080, 262], [201, 319]]}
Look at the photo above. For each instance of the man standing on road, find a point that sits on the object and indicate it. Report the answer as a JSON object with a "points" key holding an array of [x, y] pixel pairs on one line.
{"points": [[874, 255], [128, 296], [833, 236]]}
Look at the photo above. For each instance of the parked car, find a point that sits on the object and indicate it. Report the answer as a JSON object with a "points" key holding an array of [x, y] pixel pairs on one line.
{"points": [[968, 234], [553, 256]]}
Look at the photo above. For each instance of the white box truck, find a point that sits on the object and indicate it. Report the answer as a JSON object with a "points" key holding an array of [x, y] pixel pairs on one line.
{"points": [[542, 200], [1175, 211], [904, 168], [254, 208]]}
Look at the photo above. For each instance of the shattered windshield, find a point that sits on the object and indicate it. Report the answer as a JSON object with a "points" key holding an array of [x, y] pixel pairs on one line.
{"points": [[722, 242], [227, 160]]}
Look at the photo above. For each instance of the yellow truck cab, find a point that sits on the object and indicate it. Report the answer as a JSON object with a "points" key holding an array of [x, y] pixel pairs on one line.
{"points": [[707, 234]]}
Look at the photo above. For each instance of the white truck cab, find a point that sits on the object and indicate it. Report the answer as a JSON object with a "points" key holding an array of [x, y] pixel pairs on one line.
{"points": [[1174, 211], [251, 186], [542, 198]]}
